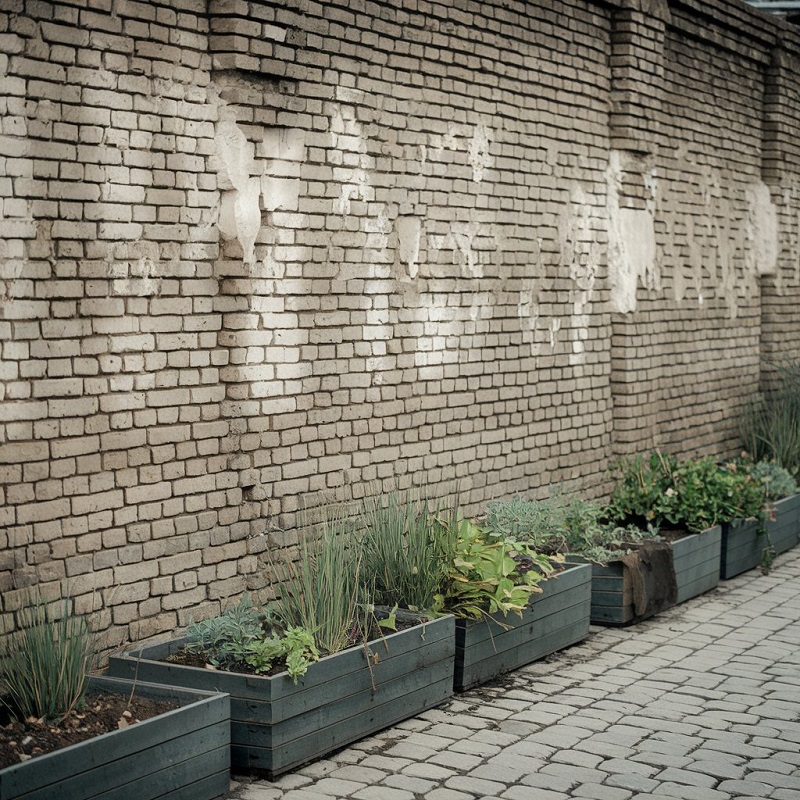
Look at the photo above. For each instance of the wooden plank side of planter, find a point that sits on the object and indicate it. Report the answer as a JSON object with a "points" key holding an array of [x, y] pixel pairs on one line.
{"points": [[612, 595], [784, 530], [200, 730], [367, 686], [556, 619], [135, 776], [292, 754], [742, 547], [696, 560]]}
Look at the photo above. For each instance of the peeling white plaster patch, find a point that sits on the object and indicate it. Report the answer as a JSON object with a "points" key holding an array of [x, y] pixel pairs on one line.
{"points": [[554, 328], [478, 151], [235, 153], [134, 271], [761, 228], [247, 210], [631, 243], [409, 233]]}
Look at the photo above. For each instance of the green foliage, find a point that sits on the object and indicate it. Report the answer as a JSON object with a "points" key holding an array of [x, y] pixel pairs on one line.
{"points": [[240, 636], [226, 640], [407, 546], [574, 527], [661, 491], [770, 427], [776, 481], [46, 663], [322, 591], [491, 574]]}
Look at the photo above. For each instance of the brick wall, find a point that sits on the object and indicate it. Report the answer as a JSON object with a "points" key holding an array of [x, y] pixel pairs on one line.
{"points": [[260, 254]]}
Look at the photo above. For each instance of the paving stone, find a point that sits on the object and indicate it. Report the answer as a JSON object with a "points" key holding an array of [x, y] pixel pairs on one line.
{"points": [[417, 786], [634, 782], [359, 773], [596, 791], [735, 788], [383, 793], [689, 777], [524, 793]]}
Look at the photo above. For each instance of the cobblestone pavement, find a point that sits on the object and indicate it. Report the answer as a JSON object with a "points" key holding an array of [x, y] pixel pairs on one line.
{"points": [[701, 703]]}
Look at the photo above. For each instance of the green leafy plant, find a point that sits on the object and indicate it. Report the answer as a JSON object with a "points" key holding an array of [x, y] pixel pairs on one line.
{"points": [[46, 664], [491, 574], [407, 545], [226, 640], [661, 491], [243, 635], [574, 527], [776, 481], [322, 591]]}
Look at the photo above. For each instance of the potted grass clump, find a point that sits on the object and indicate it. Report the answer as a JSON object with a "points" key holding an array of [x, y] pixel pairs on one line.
{"points": [[694, 503], [754, 540], [426, 556], [73, 736], [617, 560], [352, 669]]}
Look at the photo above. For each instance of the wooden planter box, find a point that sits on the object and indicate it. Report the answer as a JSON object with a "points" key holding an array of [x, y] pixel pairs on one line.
{"points": [[784, 530], [183, 754], [556, 618], [743, 545], [696, 558], [744, 541], [277, 725]]}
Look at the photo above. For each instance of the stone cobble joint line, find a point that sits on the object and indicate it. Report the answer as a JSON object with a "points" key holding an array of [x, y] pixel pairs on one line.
{"points": [[699, 703]]}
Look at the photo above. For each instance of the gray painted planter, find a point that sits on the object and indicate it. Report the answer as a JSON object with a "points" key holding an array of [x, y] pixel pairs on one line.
{"points": [[784, 530], [696, 559], [277, 725], [183, 754], [743, 545], [744, 542], [612, 595], [556, 618]]}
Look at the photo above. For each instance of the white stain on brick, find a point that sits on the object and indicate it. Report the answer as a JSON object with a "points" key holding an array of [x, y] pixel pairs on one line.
{"points": [[478, 151]]}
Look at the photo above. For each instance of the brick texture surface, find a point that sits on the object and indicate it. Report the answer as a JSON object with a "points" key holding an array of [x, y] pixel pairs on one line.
{"points": [[257, 255]]}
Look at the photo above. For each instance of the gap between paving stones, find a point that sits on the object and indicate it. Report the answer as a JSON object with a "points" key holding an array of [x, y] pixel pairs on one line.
{"points": [[700, 703]]}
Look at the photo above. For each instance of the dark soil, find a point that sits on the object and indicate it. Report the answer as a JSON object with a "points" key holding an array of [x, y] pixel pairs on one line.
{"points": [[21, 740]]}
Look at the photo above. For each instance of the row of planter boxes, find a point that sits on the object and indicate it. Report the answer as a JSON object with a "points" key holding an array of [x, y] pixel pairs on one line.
{"points": [[272, 725]]}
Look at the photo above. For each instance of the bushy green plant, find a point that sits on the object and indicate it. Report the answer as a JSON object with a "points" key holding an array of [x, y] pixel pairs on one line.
{"points": [[226, 640], [661, 491], [491, 574], [574, 527], [241, 635], [776, 481], [407, 545], [46, 664], [322, 590], [770, 426]]}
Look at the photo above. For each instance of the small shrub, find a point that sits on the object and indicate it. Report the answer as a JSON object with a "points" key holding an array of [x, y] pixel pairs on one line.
{"points": [[407, 546], [661, 491], [322, 590], [770, 427], [46, 664], [242, 635], [575, 527], [776, 481]]}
